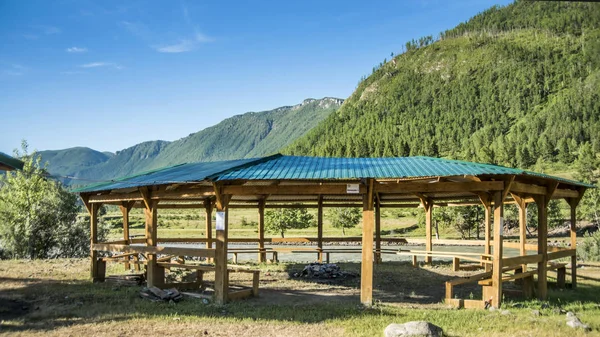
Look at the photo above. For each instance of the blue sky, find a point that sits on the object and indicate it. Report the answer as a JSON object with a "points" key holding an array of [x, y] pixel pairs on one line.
{"points": [[111, 74]]}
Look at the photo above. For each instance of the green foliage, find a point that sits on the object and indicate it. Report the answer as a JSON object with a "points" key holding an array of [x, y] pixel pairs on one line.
{"points": [[37, 215], [245, 223], [281, 220], [589, 249], [345, 217], [588, 165], [252, 134], [513, 86]]}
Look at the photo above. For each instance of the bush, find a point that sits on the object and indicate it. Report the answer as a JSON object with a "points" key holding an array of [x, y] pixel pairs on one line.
{"points": [[38, 217], [589, 249]]}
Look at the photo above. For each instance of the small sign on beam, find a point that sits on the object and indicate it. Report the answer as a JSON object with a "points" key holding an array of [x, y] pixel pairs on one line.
{"points": [[352, 188], [220, 221]]}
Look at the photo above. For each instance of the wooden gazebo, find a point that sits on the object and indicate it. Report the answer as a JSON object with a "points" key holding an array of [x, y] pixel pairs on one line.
{"points": [[371, 183]]}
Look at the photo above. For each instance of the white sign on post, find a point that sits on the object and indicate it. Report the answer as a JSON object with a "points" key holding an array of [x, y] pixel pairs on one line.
{"points": [[220, 221], [353, 188], [502, 226]]}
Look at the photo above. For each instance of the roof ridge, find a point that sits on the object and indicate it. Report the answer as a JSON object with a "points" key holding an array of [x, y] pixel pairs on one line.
{"points": [[255, 161]]}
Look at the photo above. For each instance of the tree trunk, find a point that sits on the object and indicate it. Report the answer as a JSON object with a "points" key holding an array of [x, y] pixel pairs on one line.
{"points": [[343, 231], [282, 232]]}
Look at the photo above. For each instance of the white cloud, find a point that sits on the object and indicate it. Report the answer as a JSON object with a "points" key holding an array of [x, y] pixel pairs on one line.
{"points": [[185, 43], [101, 64], [76, 50]]}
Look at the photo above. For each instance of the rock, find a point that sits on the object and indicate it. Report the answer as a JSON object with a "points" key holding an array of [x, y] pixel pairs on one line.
{"points": [[505, 312], [517, 305], [415, 328], [492, 308], [575, 323], [536, 313]]}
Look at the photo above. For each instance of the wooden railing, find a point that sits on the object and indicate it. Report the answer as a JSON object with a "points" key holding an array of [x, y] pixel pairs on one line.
{"points": [[179, 251]]}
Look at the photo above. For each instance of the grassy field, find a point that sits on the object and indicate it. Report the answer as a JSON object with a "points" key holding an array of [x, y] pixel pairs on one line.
{"points": [[55, 298], [188, 223]]}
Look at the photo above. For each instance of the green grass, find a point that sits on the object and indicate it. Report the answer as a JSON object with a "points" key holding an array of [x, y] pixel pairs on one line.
{"points": [[60, 300]]}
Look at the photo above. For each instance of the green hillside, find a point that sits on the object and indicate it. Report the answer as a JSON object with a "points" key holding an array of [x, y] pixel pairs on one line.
{"points": [[515, 85], [252, 134]]}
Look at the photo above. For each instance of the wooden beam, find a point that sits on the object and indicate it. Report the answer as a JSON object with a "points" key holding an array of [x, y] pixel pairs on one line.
{"points": [[93, 240], [522, 205], [221, 273], [565, 193], [366, 275], [288, 189], [377, 232], [507, 184], [262, 257], [156, 274], [320, 228], [496, 290], [573, 202], [145, 193], [542, 204], [125, 212], [412, 187], [86, 202], [527, 189], [178, 251], [208, 209]]}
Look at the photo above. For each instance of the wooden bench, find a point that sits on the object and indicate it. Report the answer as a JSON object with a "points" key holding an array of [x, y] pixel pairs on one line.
{"points": [[232, 295], [299, 250], [561, 273]]}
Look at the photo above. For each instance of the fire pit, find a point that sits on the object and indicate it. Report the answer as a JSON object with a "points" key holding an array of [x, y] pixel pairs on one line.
{"points": [[324, 271]]}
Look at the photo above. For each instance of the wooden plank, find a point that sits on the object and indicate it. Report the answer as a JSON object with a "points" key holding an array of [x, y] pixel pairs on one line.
{"points": [[515, 276], [428, 205], [413, 187], [565, 193], [188, 193], [187, 266], [198, 252], [366, 275], [470, 279], [527, 189], [561, 254], [473, 304], [517, 245], [239, 294], [288, 189], [522, 260]]}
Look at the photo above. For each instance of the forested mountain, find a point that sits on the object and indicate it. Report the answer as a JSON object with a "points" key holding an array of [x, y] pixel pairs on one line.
{"points": [[252, 134], [514, 85]]}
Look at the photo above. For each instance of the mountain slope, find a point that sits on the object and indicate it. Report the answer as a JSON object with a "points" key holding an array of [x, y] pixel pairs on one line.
{"points": [[514, 85], [252, 134]]}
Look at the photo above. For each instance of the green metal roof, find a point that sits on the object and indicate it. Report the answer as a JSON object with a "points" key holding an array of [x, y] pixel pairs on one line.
{"points": [[6, 160], [175, 174], [279, 167]]}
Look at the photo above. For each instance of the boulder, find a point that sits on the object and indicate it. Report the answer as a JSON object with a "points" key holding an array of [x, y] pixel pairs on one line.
{"points": [[415, 328], [575, 323]]}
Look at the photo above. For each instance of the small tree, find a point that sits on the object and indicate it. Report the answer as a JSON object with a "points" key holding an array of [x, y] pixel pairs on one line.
{"points": [[282, 219], [37, 215], [344, 217]]}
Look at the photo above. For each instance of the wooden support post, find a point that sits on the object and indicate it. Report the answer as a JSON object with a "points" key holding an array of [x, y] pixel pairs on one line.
{"points": [[320, 229], [496, 290], [485, 200], [156, 274], [542, 205], [208, 208], [221, 273], [125, 208], [377, 232], [522, 205], [573, 202], [415, 263], [455, 264], [366, 275], [262, 256], [93, 210], [428, 205]]}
